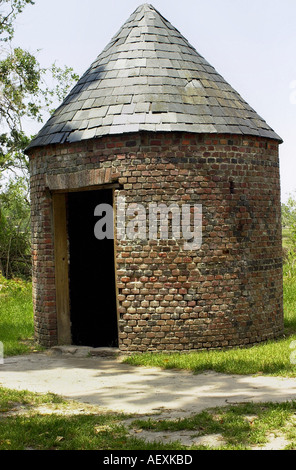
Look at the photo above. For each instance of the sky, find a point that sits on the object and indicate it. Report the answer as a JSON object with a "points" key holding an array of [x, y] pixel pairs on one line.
{"points": [[252, 44]]}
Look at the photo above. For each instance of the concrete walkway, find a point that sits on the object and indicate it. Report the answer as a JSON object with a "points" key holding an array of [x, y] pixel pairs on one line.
{"points": [[112, 385]]}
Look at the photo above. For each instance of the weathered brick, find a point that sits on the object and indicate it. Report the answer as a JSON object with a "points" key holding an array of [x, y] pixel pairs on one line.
{"points": [[227, 293]]}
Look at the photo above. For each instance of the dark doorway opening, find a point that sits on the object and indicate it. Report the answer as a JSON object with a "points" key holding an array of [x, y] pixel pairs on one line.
{"points": [[91, 273]]}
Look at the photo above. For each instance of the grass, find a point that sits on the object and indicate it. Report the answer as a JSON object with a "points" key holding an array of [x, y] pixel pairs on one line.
{"points": [[16, 316], [241, 426], [23, 426], [67, 425], [10, 399], [272, 358]]}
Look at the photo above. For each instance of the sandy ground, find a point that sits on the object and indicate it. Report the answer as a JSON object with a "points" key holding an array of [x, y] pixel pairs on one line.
{"points": [[112, 385]]}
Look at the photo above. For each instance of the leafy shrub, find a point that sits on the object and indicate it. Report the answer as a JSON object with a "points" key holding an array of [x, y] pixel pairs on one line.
{"points": [[15, 246]]}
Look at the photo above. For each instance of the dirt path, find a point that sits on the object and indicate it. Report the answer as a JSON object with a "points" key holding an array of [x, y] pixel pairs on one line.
{"points": [[112, 385]]}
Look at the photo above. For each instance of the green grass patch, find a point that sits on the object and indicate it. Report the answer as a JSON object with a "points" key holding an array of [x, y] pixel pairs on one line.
{"points": [[55, 432], [16, 316], [23, 426], [241, 426], [272, 358], [11, 398]]}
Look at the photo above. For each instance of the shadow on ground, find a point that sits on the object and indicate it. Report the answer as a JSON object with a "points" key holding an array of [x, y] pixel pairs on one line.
{"points": [[109, 383]]}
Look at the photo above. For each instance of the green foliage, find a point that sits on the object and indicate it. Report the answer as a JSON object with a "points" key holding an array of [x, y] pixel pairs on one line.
{"points": [[290, 302], [62, 79], [15, 246], [289, 239], [20, 75], [289, 217], [10, 9], [24, 94]]}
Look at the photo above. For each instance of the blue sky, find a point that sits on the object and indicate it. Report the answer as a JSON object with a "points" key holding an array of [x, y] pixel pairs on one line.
{"points": [[251, 44]]}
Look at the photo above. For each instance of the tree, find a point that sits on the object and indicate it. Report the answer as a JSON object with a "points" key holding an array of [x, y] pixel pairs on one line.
{"points": [[289, 212], [9, 11], [24, 94], [23, 89], [15, 246], [289, 237]]}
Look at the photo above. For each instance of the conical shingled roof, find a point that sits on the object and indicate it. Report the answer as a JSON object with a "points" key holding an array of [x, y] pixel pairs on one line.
{"points": [[149, 78]]}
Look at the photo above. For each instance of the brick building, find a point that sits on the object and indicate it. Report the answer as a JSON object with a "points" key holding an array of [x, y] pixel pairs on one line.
{"points": [[152, 122]]}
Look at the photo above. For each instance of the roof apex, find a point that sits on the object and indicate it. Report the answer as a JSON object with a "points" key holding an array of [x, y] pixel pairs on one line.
{"points": [[150, 78]]}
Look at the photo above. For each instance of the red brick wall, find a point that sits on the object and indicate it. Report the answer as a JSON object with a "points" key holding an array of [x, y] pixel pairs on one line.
{"points": [[227, 293]]}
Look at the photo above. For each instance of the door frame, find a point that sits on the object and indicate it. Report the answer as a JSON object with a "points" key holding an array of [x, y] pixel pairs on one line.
{"points": [[61, 258]]}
